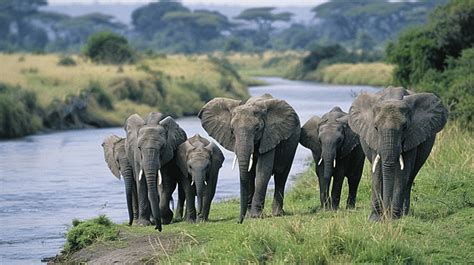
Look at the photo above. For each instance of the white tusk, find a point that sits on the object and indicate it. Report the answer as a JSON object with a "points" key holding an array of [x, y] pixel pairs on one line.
{"points": [[235, 162], [320, 161], [160, 179], [250, 162], [374, 165], [192, 183], [140, 175], [402, 164], [334, 163], [205, 182]]}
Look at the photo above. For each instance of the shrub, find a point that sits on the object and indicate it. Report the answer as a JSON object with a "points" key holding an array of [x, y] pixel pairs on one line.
{"points": [[85, 233], [66, 61], [96, 91], [19, 112], [108, 47]]}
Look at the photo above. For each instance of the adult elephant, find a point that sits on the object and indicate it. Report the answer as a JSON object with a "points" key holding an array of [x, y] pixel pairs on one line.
{"points": [[337, 153], [397, 130], [264, 134], [119, 165], [151, 145]]}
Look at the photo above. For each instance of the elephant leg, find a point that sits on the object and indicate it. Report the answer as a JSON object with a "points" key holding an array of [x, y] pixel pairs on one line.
{"points": [[190, 215], [264, 170], [181, 199], [338, 180], [206, 207], [135, 200], [353, 180], [279, 194], [144, 210], [406, 202], [251, 188], [168, 185]]}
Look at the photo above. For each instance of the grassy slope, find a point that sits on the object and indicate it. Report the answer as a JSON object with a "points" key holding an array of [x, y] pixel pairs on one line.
{"points": [[439, 229], [186, 81]]}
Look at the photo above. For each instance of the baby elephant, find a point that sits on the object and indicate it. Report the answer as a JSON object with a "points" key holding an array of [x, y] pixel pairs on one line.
{"points": [[337, 151], [200, 160]]}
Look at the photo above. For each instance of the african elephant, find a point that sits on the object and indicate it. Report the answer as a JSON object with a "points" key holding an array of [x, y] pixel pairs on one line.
{"points": [[264, 133], [151, 145], [200, 161], [336, 150], [397, 129], [119, 165]]}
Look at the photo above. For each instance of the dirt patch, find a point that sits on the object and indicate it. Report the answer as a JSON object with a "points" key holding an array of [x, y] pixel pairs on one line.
{"points": [[129, 249]]}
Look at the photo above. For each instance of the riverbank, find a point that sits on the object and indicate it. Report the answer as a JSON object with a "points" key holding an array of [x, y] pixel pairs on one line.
{"points": [[41, 92], [438, 229]]}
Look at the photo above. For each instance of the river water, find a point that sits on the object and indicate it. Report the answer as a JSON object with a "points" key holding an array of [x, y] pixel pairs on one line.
{"points": [[48, 180]]}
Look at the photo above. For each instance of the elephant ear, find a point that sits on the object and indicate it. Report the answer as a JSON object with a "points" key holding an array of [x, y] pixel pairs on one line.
{"points": [[215, 119], [182, 156], [309, 136], [217, 157], [428, 118], [361, 118], [109, 154], [153, 118], [351, 139], [281, 122], [175, 136]]}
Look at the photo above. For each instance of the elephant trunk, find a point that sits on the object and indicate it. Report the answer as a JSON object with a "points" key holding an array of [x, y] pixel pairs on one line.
{"points": [[150, 168], [244, 150], [200, 187], [329, 156], [128, 180], [390, 153]]}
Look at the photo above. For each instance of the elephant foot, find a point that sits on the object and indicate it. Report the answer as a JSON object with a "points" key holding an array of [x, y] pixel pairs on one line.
{"points": [[255, 214], [350, 206], [191, 220], [142, 222], [278, 212], [375, 217]]}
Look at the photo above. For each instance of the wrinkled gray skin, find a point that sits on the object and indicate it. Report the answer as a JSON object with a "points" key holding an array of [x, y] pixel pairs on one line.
{"points": [[119, 165], [200, 160], [151, 145], [331, 140], [268, 129], [391, 123]]}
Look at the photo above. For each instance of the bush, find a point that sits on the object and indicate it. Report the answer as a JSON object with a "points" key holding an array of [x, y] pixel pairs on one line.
{"points": [[19, 112], [66, 61], [108, 47], [85, 233]]}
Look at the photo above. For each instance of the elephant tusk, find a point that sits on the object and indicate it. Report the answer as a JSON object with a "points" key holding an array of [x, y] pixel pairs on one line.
{"points": [[140, 175], [192, 183], [205, 182], [374, 166], [334, 163], [235, 162], [320, 161], [402, 164], [250, 162], [160, 178]]}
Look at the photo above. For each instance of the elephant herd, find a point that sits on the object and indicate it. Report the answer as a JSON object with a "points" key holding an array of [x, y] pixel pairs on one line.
{"points": [[394, 128]]}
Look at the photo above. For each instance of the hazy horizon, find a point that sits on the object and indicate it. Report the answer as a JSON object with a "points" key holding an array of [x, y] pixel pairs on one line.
{"points": [[301, 3]]}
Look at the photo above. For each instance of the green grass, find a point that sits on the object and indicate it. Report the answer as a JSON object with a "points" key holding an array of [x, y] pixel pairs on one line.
{"points": [[439, 229]]}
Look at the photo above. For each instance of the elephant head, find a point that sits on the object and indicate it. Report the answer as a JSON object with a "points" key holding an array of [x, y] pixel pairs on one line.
{"points": [[119, 165], [329, 138], [255, 127], [157, 144], [200, 160], [390, 123]]}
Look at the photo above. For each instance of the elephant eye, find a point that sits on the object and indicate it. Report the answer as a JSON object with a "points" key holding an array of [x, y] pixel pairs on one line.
{"points": [[376, 128]]}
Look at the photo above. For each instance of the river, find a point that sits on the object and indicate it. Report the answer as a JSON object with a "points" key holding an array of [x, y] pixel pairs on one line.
{"points": [[49, 179]]}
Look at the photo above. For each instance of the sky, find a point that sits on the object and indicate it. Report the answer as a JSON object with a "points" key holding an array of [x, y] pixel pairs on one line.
{"points": [[214, 2]]}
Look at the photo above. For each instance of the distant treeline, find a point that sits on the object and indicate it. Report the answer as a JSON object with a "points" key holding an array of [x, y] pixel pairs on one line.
{"points": [[169, 26]]}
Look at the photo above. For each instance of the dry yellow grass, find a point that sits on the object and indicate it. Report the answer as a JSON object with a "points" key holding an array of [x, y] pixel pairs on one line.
{"points": [[375, 74]]}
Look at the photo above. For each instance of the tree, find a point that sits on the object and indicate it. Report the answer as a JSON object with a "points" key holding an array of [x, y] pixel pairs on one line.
{"points": [[108, 47]]}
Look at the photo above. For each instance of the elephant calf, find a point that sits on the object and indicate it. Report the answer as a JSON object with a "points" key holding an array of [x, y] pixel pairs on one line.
{"points": [[200, 160], [120, 166], [337, 152]]}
